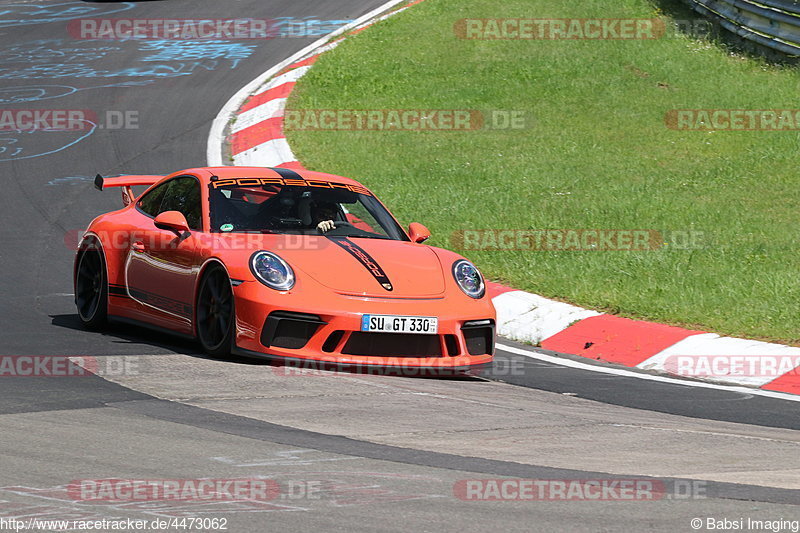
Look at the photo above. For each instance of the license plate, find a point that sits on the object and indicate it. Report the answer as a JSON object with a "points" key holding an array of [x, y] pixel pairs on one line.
{"points": [[400, 324]]}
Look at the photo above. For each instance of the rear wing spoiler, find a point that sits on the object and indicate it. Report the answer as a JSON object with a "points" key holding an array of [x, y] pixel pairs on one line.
{"points": [[126, 182]]}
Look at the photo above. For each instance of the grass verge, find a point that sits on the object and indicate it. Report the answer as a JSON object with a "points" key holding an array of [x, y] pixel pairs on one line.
{"points": [[596, 153]]}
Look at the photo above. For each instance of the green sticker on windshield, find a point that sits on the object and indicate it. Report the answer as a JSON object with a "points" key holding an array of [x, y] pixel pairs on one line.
{"points": [[226, 227]]}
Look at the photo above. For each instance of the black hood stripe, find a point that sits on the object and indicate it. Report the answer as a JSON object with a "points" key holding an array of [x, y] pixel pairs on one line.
{"points": [[365, 259], [287, 173]]}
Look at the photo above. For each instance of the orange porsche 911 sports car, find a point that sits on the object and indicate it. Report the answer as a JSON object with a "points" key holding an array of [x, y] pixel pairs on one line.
{"points": [[292, 265]]}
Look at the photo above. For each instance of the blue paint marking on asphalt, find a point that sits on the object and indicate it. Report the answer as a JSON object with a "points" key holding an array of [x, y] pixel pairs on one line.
{"points": [[197, 51], [13, 144], [59, 58], [35, 93], [305, 27], [56, 59], [27, 14]]}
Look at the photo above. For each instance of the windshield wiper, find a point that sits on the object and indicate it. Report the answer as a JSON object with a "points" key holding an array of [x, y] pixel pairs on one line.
{"points": [[370, 236]]}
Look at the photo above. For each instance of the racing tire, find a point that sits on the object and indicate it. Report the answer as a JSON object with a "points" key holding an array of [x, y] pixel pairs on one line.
{"points": [[91, 289], [215, 313]]}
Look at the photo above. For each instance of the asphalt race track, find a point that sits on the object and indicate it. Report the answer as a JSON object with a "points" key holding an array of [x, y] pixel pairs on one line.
{"points": [[349, 452]]}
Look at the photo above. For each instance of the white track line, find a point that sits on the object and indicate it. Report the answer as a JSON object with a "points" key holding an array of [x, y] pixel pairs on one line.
{"points": [[647, 377], [216, 136], [288, 77]]}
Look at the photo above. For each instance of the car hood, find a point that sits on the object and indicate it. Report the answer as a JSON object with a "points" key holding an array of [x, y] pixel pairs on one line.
{"points": [[372, 267]]}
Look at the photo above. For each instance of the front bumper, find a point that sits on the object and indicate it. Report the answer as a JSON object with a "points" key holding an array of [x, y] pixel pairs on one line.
{"points": [[325, 328]]}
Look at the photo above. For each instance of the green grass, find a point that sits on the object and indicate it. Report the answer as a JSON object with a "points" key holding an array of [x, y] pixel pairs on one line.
{"points": [[598, 155]]}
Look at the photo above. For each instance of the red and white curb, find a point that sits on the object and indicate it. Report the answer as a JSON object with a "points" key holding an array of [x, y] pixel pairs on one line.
{"points": [[251, 125], [666, 349]]}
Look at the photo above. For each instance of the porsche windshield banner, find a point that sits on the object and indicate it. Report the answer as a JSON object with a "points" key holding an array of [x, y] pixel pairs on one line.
{"points": [[287, 182], [287, 178]]}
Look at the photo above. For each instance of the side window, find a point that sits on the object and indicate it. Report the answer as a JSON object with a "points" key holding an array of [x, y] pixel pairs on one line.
{"points": [[184, 196], [150, 203]]}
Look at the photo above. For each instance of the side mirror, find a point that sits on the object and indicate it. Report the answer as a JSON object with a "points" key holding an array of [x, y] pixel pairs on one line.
{"points": [[172, 221], [418, 232]]}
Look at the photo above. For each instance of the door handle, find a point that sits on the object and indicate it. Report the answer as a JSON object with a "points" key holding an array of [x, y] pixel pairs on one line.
{"points": [[138, 246]]}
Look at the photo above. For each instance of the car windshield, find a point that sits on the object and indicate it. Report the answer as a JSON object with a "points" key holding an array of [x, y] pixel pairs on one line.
{"points": [[318, 208]]}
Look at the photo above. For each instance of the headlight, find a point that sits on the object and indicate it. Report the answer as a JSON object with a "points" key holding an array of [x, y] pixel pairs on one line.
{"points": [[272, 271], [469, 279]]}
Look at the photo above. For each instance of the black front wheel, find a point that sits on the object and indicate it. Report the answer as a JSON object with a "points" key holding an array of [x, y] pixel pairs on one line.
{"points": [[91, 289], [215, 318]]}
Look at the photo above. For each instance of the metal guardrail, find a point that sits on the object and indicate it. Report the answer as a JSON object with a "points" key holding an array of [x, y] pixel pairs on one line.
{"points": [[773, 24]]}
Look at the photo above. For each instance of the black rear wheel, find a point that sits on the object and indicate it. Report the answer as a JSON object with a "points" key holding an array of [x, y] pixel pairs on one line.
{"points": [[91, 290], [215, 318]]}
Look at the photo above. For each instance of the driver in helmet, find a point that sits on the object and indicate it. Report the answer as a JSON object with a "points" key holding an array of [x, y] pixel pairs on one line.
{"points": [[323, 214]]}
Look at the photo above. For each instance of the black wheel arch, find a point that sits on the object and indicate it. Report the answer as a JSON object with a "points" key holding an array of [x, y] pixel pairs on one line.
{"points": [[90, 241], [211, 262]]}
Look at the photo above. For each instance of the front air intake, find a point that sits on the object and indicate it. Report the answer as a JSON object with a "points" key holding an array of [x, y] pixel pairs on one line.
{"points": [[479, 336], [392, 345], [285, 329]]}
